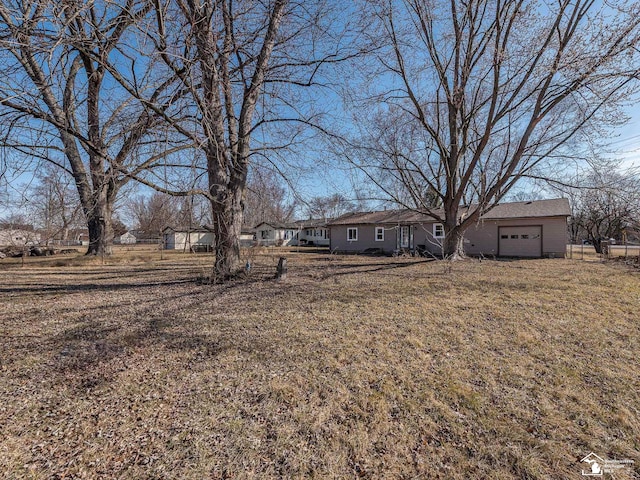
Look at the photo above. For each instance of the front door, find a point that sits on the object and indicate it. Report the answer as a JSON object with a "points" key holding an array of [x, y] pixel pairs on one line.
{"points": [[405, 237]]}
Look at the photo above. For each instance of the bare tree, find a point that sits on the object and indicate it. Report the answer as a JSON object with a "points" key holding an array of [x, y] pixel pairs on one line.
{"points": [[468, 98], [266, 199], [154, 212], [605, 205], [119, 227], [53, 203], [241, 67], [59, 103], [331, 206]]}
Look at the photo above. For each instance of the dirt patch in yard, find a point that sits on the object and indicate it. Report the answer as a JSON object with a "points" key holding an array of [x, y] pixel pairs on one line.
{"points": [[354, 367]]}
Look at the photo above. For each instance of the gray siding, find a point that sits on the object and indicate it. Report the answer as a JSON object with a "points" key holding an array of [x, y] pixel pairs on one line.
{"points": [[366, 238], [480, 239], [423, 238]]}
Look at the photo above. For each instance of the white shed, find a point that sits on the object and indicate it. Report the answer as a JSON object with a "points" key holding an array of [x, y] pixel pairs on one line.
{"points": [[187, 240], [126, 238]]}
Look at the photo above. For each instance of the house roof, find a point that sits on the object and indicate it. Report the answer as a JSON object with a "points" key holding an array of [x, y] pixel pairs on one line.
{"points": [[16, 226], [298, 224], [193, 229], [275, 225], [311, 223], [384, 216], [557, 207]]}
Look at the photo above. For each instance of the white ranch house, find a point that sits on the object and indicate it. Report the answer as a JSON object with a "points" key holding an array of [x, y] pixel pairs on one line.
{"points": [[298, 233]]}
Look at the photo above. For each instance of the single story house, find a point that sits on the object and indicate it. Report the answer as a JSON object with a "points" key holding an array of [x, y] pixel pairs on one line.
{"points": [[312, 232], [18, 237], [188, 239], [517, 229]]}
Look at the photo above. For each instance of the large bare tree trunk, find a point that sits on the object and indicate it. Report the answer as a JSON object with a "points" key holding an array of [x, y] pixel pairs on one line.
{"points": [[100, 229], [227, 205], [100, 236], [227, 227], [239, 71], [453, 243]]}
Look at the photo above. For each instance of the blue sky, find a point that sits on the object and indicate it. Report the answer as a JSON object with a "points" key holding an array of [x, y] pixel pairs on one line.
{"points": [[628, 139], [325, 175]]}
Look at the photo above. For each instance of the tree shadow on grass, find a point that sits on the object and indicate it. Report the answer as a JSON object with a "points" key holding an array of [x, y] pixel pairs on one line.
{"points": [[103, 336], [103, 339], [339, 269], [87, 287]]}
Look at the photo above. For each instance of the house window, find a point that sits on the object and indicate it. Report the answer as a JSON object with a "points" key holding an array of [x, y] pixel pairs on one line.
{"points": [[438, 230], [264, 234], [352, 234], [379, 234]]}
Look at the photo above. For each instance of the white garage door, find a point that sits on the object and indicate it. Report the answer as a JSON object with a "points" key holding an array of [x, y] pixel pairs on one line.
{"points": [[520, 241]]}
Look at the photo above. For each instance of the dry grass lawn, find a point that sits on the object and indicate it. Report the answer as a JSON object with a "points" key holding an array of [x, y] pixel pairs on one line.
{"points": [[354, 367]]}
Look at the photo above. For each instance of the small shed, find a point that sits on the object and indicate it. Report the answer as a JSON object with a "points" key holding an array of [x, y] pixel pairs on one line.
{"points": [[126, 238], [197, 239]]}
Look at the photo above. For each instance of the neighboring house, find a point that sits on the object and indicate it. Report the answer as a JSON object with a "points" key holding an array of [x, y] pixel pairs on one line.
{"points": [[18, 237], [126, 238], [188, 239], [302, 232], [519, 229], [313, 233], [77, 236], [276, 233], [247, 237], [143, 236]]}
